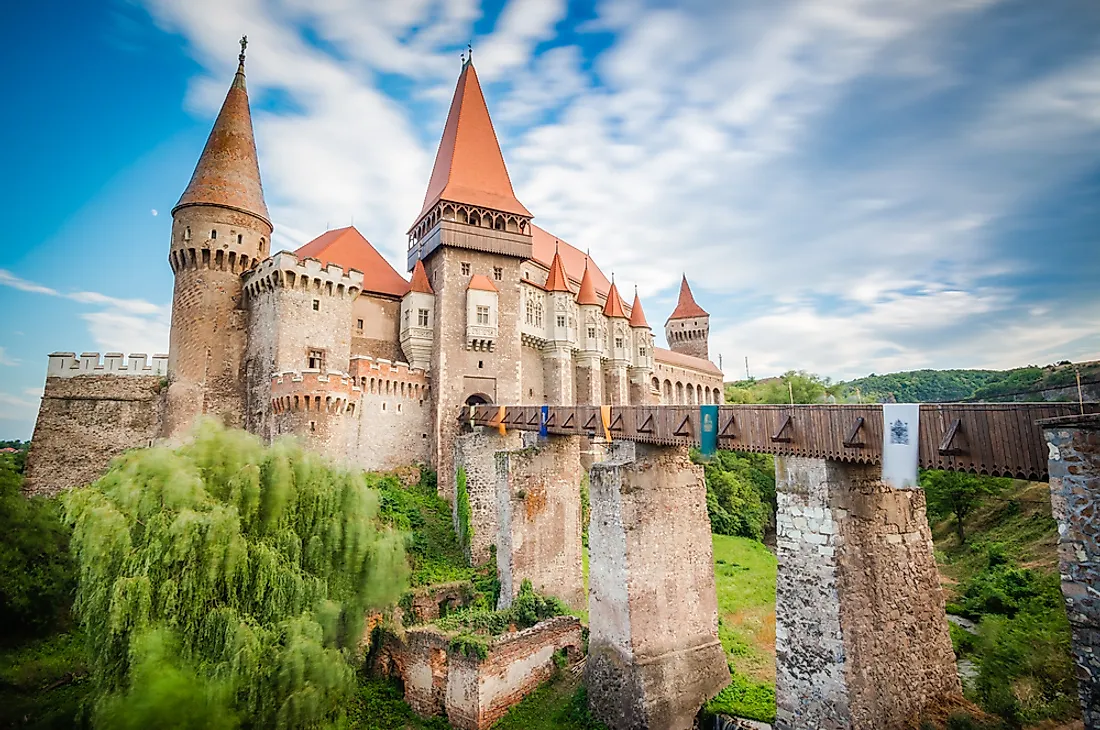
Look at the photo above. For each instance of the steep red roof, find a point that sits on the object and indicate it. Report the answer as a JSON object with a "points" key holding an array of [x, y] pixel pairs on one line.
{"points": [[420, 281], [228, 172], [482, 283], [614, 305], [686, 307], [637, 316], [558, 280], [543, 247], [469, 167], [347, 248], [587, 293], [685, 361]]}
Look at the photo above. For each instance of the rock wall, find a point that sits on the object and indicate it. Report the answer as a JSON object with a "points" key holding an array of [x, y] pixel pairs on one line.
{"points": [[654, 655], [476, 453], [539, 529], [1074, 465], [861, 635], [84, 422]]}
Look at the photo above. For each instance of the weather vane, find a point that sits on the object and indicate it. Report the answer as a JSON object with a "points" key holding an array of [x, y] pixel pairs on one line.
{"points": [[244, 45]]}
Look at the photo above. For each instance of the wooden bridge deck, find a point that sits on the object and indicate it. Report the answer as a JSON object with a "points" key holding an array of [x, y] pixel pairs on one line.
{"points": [[998, 439]]}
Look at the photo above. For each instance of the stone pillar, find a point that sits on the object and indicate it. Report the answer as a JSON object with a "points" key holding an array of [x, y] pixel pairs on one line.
{"points": [[557, 375], [589, 390], [539, 520], [1074, 465], [861, 631], [653, 654], [618, 384], [475, 453]]}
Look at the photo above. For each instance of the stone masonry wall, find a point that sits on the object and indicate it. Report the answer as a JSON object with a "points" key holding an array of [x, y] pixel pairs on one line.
{"points": [[861, 636], [476, 453], [654, 655], [1074, 465], [86, 421], [538, 499]]}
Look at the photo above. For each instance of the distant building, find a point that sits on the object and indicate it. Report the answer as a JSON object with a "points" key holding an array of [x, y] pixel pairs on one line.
{"points": [[331, 344]]}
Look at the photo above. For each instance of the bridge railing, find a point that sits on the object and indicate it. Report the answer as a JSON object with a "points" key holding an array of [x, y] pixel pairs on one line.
{"points": [[998, 439]]}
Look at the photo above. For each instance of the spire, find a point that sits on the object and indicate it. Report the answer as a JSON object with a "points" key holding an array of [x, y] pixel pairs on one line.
{"points": [[469, 167], [686, 308], [228, 173], [637, 316], [614, 305], [557, 280], [420, 281], [587, 293]]}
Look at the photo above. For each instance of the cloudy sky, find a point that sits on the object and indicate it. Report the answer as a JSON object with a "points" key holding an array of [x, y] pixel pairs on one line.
{"points": [[851, 186]]}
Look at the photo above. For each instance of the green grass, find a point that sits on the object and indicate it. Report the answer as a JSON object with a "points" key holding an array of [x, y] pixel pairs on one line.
{"points": [[744, 572], [379, 705], [560, 704], [43, 683]]}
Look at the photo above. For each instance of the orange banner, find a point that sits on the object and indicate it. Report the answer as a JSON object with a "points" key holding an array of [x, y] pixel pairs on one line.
{"points": [[500, 426], [605, 416]]}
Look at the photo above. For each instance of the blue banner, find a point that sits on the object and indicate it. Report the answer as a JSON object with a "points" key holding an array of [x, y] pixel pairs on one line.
{"points": [[543, 415], [708, 431]]}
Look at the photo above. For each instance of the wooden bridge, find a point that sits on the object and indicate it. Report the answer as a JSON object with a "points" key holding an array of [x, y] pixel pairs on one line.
{"points": [[998, 439]]}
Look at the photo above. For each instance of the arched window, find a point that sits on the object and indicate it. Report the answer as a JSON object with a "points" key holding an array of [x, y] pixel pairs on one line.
{"points": [[240, 238], [699, 394], [667, 398], [679, 393]]}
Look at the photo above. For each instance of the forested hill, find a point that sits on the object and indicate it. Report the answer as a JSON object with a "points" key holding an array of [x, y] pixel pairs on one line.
{"points": [[1026, 383]]}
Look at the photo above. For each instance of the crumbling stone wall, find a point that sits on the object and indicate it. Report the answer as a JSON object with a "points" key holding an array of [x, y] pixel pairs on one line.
{"points": [[476, 453], [861, 636], [1074, 465], [86, 421], [654, 656], [538, 499]]}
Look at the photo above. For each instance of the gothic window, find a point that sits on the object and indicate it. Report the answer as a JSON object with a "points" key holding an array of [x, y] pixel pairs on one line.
{"points": [[465, 268], [316, 359], [530, 309], [422, 317], [561, 320], [482, 314], [498, 273], [538, 314]]}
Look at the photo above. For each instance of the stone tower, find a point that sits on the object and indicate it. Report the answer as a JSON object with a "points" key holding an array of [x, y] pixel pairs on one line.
{"points": [[220, 230], [472, 235], [642, 355], [688, 327]]}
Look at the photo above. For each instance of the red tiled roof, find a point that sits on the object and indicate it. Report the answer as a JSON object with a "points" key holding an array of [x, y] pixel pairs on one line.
{"points": [[587, 293], [558, 280], [543, 247], [686, 307], [469, 167], [420, 281], [482, 282], [685, 361], [637, 316], [228, 172], [614, 305], [347, 248]]}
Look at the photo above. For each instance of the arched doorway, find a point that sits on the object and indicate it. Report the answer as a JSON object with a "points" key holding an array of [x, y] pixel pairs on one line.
{"points": [[478, 399]]}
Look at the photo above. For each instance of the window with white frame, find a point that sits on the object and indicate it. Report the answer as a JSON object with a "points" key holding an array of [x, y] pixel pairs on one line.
{"points": [[422, 317], [561, 320], [482, 314]]}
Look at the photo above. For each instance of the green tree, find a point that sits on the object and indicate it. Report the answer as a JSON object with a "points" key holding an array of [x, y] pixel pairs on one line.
{"points": [[957, 493], [800, 385], [254, 564]]}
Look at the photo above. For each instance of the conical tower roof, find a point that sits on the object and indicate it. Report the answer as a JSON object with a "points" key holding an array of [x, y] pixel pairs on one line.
{"points": [[637, 316], [686, 308], [420, 281], [557, 280], [587, 293], [614, 306], [469, 167], [228, 172]]}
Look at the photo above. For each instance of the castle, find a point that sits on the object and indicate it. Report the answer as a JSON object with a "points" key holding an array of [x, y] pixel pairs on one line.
{"points": [[331, 344]]}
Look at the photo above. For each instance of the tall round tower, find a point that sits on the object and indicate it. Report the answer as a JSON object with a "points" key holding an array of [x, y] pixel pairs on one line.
{"points": [[688, 327], [220, 230]]}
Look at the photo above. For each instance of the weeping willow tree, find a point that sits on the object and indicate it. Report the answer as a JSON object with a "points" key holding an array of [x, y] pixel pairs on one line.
{"points": [[251, 566]]}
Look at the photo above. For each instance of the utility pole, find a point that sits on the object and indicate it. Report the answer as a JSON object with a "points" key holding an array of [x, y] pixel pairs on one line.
{"points": [[790, 391], [747, 376], [1080, 395]]}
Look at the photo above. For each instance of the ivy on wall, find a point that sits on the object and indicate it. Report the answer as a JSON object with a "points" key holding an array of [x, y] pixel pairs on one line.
{"points": [[465, 515]]}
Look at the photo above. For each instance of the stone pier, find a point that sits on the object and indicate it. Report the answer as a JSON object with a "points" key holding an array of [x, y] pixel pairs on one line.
{"points": [[861, 632], [653, 653], [538, 502], [1074, 465], [475, 453]]}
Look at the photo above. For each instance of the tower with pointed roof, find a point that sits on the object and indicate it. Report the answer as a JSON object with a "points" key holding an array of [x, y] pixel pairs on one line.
{"points": [[561, 335], [619, 346], [220, 230], [641, 356], [593, 342], [688, 327]]}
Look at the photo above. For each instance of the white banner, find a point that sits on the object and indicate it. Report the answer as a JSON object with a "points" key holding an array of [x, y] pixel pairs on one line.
{"points": [[901, 425]]}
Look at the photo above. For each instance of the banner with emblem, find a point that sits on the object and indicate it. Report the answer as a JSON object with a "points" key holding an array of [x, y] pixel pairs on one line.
{"points": [[708, 431], [544, 415], [901, 426]]}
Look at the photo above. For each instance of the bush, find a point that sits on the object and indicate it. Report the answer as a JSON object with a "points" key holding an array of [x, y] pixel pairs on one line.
{"points": [[228, 574], [37, 576], [740, 494]]}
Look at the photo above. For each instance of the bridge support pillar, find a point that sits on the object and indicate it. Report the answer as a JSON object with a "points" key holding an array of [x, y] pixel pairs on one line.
{"points": [[475, 455], [653, 654], [1074, 466], [861, 631], [539, 520]]}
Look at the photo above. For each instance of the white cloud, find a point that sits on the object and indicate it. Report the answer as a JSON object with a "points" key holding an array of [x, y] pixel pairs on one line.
{"points": [[5, 359]]}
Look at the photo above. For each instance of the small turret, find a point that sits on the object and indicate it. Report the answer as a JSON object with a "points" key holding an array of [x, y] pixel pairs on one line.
{"points": [[688, 327], [641, 369], [418, 319]]}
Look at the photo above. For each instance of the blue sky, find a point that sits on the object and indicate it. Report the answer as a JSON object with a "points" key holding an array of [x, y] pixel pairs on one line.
{"points": [[851, 186]]}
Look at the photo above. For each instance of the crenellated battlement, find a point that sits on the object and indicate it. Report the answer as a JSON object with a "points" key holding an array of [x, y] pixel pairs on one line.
{"points": [[284, 270], [312, 390], [68, 365], [385, 377]]}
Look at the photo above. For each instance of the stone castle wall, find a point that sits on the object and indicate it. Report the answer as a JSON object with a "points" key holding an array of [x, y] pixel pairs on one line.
{"points": [[379, 336], [86, 420], [476, 453]]}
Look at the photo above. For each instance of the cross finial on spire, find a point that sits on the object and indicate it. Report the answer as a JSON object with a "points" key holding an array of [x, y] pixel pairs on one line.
{"points": [[244, 45]]}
